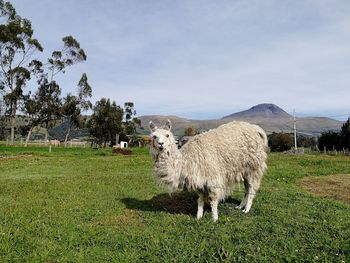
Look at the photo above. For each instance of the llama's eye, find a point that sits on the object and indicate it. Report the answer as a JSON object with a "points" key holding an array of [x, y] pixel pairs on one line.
{"points": [[167, 135], [154, 137]]}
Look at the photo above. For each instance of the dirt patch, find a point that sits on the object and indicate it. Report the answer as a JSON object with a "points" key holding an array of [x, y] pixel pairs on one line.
{"points": [[128, 218], [15, 157], [123, 151], [335, 187]]}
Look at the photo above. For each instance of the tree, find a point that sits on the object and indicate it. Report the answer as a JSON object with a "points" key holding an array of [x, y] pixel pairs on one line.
{"points": [[3, 119], [106, 121], [345, 135], [74, 105], [131, 122], [48, 96], [32, 106], [17, 47], [329, 140], [70, 54], [280, 142], [84, 92]]}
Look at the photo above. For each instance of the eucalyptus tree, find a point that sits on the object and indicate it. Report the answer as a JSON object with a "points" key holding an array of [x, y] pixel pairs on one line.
{"points": [[73, 106], [17, 48], [70, 54], [131, 122], [48, 95]]}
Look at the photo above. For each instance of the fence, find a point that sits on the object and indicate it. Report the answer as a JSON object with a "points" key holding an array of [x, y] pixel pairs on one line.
{"points": [[41, 143]]}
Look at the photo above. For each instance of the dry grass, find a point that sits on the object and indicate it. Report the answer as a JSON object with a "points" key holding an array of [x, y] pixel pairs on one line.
{"points": [[335, 187], [127, 219], [16, 157]]}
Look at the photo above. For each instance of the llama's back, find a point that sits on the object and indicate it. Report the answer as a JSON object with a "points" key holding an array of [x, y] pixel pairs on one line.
{"points": [[225, 155]]}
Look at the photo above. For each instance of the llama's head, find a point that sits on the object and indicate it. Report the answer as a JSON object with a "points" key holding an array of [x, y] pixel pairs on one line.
{"points": [[164, 152], [162, 138]]}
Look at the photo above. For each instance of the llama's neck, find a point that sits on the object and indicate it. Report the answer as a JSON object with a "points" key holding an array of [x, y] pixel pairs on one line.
{"points": [[167, 167]]}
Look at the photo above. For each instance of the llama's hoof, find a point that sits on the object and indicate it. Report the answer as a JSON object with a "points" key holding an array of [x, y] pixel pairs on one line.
{"points": [[245, 210], [238, 207]]}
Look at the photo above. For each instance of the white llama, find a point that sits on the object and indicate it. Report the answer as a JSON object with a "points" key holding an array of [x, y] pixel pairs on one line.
{"points": [[211, 162]]}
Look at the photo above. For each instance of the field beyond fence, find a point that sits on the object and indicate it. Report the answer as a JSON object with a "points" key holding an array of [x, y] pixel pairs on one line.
{"points": [[88, 205]]}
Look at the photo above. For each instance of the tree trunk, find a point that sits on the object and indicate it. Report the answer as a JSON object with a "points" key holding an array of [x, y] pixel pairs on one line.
{"points": [[28, 136], [13, 124], [67, 135], [12, 138], [46, 135]]}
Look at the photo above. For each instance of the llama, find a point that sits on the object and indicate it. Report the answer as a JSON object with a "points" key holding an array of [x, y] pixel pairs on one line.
{"points": [[211, 162]]}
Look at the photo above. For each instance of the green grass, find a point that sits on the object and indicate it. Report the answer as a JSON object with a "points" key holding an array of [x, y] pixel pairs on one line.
{"points": [[84, 205]]}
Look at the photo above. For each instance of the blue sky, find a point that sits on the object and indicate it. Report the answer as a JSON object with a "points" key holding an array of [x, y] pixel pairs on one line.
{"points": [[205, 59]]}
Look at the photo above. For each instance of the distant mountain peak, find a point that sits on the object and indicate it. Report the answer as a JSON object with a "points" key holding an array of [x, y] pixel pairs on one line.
{"points": [[267, 107], [264, 110]]}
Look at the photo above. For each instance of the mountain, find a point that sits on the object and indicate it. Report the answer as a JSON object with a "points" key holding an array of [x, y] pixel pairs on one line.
{"points": [[269, 116], [266, 110]]}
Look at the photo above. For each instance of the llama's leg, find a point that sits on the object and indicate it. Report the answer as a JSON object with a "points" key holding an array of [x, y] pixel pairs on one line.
{"points": [[245, 198], [200, 206], [253, 186], [213, 200]]}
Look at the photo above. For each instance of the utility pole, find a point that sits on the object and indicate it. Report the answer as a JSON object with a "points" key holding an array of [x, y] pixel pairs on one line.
{"points": [[295, 132]]}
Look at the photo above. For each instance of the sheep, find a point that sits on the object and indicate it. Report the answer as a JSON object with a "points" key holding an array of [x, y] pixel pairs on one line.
{"points": [[212, 162]]}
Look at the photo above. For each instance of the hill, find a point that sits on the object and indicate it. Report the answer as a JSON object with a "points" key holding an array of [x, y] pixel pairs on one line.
{"points": [[265, 110], [269, 116]]}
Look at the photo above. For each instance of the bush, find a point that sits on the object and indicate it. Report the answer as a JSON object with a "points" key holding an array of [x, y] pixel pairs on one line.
{"points": [[280, 142], [123, 151], [305, 141]]}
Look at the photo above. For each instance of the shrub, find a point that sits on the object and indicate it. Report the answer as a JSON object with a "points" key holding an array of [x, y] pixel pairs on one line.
{"points": [[305, 141], [280, 142], [123, 151]]}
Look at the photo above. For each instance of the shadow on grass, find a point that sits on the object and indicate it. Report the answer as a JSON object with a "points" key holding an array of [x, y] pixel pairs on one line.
{"points": [[176, 203]]}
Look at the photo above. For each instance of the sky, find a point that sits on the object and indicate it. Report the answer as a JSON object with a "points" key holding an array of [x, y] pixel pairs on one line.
{"points": [[204, 59]]}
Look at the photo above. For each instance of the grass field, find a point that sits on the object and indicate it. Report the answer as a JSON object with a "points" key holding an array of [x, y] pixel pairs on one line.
{"points": [[84, 205]]}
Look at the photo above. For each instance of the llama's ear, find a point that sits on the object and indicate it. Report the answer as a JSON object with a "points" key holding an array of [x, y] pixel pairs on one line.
{"points": [[168, 125], [152, 127]]}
